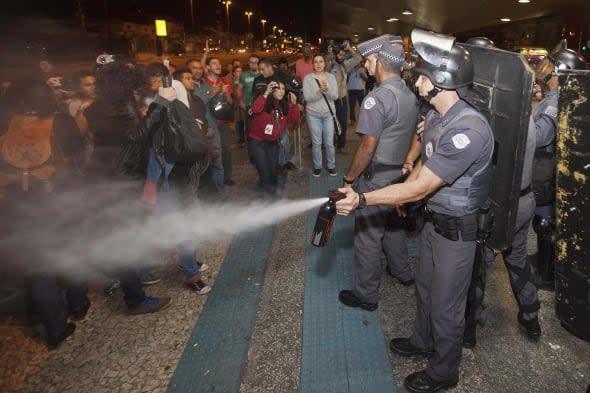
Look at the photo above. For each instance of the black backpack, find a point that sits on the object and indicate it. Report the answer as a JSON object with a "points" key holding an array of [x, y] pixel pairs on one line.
{"points": [[184, 141]]}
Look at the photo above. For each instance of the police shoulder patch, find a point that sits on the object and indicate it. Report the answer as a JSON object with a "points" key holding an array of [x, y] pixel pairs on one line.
{"points": [[460, 141], [551, 111], [369, 103], [428, 149]]}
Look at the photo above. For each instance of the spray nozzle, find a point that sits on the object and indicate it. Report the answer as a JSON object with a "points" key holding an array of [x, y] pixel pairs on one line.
{"points": [[336, 195]]}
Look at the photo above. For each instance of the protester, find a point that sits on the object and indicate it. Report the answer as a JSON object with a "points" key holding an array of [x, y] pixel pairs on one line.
{"points": [[320, 90], [272, 111]]}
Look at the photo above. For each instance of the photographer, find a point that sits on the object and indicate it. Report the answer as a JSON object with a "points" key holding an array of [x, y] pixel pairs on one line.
{"points": [[271, 111], [341, 61]]}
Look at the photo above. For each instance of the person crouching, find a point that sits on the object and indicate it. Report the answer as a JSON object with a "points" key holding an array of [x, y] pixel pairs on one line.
{"points": [[271, 112]]}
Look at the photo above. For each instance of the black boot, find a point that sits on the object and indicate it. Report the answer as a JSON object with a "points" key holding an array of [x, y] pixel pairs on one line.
{"points": [[531, 327], [469, 336], [545, 252]]}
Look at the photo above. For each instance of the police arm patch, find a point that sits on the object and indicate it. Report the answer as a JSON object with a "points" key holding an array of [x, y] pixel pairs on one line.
{"points": [[551, 111], [369, 103], [460, 141]]}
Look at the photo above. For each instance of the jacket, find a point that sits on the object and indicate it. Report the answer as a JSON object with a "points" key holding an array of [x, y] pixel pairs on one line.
{"points": [[265, 127]]}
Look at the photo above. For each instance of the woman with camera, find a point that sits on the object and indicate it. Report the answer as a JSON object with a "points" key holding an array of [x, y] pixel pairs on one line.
{"points": [[271, 112], [320, 90]]}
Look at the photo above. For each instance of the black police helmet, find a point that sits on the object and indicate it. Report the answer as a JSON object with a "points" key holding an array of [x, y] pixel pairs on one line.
{"points": [[484, 42], [452, 72], [568, 59]]}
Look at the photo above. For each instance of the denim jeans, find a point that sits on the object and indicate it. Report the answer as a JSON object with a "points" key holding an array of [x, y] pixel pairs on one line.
{"points": [[225, 136], [321, 129], [170, 201], [265, 154], [341, 115], [240, 129], [284, 156], [355, 96], [216, 166]]}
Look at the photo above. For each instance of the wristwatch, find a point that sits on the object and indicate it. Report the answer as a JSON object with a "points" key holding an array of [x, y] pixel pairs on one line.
{"points": [[345, 180], [362, 201]]}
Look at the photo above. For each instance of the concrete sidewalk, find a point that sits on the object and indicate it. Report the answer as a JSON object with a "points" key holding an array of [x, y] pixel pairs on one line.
{"points": [[113, 352]]}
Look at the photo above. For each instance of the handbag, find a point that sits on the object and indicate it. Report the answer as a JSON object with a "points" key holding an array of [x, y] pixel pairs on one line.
{"points": [[220, 108], [337, 127]]}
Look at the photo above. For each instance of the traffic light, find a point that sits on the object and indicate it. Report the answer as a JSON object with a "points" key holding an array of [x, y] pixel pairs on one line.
{"points": [[584, 48]]}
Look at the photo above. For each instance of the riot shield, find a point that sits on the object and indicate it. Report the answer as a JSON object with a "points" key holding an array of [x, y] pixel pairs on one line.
{"points": [[572, 266], [502, 91]]}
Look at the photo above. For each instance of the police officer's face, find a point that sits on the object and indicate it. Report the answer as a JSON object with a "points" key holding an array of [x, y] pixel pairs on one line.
{"points": [[371, 64], [424, 85]]}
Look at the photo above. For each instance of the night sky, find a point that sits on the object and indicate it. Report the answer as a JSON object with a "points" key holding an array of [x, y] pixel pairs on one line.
{"points": [[296, 17]]}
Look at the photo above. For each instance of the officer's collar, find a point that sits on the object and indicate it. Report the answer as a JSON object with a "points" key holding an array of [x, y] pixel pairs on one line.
{"points": [[453, 112], [391, 79]]}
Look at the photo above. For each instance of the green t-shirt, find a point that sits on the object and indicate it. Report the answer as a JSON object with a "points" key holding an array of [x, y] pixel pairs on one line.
{"points": [[247, 80]]}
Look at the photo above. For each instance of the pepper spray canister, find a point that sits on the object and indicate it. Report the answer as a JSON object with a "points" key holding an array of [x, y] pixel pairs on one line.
{"points": [[325, 220]]}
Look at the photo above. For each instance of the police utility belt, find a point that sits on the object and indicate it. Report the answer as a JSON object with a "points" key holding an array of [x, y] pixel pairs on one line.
{"points": [[470, 227], [374, 168]]}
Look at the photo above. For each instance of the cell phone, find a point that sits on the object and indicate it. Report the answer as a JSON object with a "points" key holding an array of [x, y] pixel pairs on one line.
{"points": [[166, 63]]}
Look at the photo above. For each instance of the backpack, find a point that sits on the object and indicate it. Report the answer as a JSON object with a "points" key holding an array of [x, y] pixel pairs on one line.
{"points": [[184, 141], [27, 146]]}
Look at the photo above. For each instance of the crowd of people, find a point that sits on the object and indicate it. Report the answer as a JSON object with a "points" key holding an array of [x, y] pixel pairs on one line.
{"points": [[119, 121], [111, 122]]}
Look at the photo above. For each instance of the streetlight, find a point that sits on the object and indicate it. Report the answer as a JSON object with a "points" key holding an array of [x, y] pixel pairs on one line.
{"points": [[273, 30], [227, 3], [249, 14], [280, 31], [263, 21]]}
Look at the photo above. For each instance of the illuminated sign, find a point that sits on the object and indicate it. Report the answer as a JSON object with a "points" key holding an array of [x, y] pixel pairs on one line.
{"points": [[161, 28]]}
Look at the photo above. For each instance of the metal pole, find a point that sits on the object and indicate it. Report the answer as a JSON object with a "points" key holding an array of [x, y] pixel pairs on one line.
{"points": [[192, 16]]}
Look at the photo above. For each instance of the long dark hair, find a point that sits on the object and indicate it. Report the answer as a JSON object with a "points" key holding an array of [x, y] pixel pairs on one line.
{"points": [[272, 103]]}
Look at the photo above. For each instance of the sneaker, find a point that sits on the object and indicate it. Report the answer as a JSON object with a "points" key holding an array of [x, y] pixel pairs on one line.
{"points": [[150, 304], [332, 172], [149, 279], [203, 267], [54, 341], [316, 172], [199, 287]]}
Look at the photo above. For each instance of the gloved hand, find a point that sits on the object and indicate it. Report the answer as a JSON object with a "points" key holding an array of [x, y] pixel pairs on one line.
{"points": [[167, 93]]}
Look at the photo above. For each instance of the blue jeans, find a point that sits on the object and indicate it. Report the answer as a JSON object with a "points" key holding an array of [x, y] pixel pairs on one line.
{"points": [[342, 116], [321, 129], [284, 156], [170, 201], [216, 166], [225, 136], [265, 154], [355, 96]]}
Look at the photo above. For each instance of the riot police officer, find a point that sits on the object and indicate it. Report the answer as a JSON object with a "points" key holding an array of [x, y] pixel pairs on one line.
{"points": [[520, 270], [545, 119], [387, 121], [452, 175]]}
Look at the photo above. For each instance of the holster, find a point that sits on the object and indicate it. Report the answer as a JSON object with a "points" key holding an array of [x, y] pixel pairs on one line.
{"points": [[373, 168], [470, 227]]}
